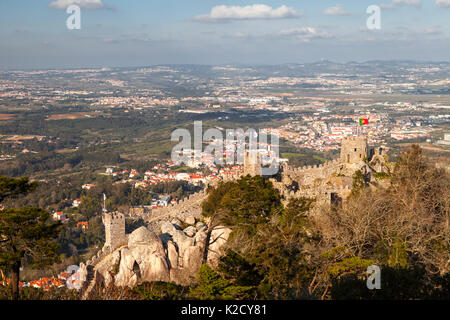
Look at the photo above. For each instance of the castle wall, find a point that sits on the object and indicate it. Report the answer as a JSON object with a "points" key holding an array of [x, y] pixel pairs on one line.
{"points": [[320, 170], [329, 179], [189, 206]]}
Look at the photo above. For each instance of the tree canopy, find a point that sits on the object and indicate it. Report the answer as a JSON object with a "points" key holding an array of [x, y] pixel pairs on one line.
{"points": [[301, 249], [26, 234]]}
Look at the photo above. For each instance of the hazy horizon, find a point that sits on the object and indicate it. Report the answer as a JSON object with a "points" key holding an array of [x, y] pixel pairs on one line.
{"points": [[229, 65], [115, 33]]}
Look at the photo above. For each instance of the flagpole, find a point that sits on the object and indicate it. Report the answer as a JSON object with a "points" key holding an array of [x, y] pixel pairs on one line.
{"points": [[104, 202]]}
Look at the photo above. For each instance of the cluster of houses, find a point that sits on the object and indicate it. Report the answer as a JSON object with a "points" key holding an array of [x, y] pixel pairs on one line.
{"points": [[42, 283], [71, 280], [154, 177], [324, 132], [61, 216], [410, 134]]}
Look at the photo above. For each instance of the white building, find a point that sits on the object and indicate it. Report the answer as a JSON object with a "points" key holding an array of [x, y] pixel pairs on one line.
{"points": [[59, 216]]}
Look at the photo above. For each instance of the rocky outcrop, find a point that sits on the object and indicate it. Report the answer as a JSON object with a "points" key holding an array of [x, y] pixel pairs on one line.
{"points": [[219, 237], [143, 258], [171, 255]]}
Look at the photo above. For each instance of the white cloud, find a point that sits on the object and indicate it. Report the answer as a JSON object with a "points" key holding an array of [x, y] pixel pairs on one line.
{"points": [[85, 4], [256, 11], [443, 3], [387, 5], [415, 3], [395, 3], [305, 34], [336, 11]]}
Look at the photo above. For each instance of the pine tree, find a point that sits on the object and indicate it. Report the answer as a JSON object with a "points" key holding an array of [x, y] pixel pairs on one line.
{"points": [[26, 234]]}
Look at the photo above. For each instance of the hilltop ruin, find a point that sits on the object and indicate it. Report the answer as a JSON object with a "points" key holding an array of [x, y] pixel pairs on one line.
{"points": [[164, 251]]}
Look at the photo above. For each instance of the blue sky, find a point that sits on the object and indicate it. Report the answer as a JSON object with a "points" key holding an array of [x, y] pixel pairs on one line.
{"points": [[33, 33]]}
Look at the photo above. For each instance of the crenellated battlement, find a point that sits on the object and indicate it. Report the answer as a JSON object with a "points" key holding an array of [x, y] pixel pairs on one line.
{"points": [[329, 180], [304, 169], [114, 217]]}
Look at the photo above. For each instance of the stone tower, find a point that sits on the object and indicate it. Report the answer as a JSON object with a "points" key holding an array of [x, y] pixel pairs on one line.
{"points": [[114, 230], [354, 149], [252, 163]]}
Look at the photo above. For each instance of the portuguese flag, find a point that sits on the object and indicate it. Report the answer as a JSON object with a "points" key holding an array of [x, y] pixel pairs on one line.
{"points": [[363, 122]]}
